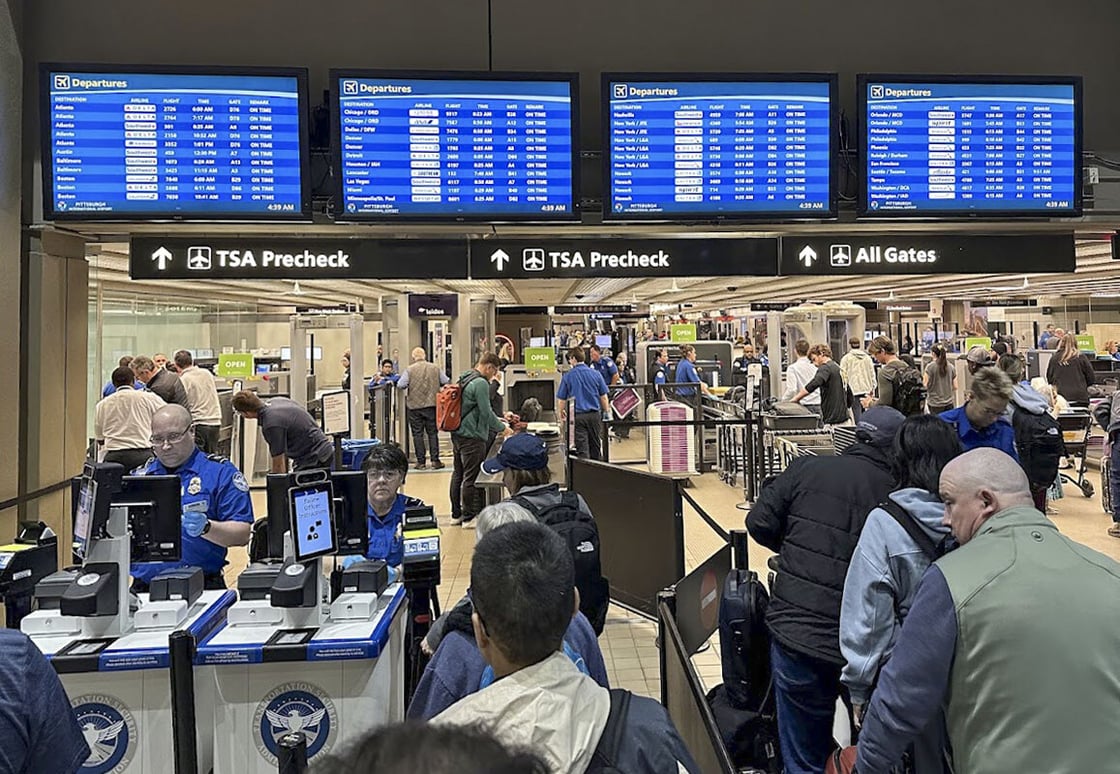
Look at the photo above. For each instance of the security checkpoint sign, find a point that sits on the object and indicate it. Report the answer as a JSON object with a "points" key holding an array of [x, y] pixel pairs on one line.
{"points": [[263, 258], [541, 359], [1086, 343], [236, 366], [977, 341], [682, 333], [926, 253], [549, 258]]}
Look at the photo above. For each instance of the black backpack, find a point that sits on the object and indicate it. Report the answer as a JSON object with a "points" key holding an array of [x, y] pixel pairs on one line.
{"points": [[609, 749], [909, 395], [582, 536], [744, 640], [1038, 439], [932, 550]]}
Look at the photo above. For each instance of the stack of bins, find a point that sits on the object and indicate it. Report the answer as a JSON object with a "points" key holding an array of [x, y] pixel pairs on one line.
{"points": [[672, 449]]}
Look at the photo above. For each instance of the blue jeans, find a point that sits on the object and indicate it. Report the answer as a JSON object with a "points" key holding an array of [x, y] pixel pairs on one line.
{"points": [[1113, 482], [806, 690]]}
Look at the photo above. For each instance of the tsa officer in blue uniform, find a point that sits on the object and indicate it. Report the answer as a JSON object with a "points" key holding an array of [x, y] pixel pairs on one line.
{"points": [[604, 365], [587, 391], [386, 468], [217, 509]]}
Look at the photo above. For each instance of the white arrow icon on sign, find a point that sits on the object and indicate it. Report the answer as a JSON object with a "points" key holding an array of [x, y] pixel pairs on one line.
{"points": [[163, 256], [499, 258], [807, 256]]}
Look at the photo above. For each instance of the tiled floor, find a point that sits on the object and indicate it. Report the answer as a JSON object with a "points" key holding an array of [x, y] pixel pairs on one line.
{"points": [[629, 641]]}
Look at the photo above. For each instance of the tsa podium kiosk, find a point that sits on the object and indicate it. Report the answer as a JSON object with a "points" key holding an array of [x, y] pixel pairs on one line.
{"points": [[110, 647], [296, 654]]}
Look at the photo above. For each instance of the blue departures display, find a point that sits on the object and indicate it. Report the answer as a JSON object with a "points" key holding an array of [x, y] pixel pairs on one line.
{"points": [[178, 144], [970, 147], [434, 147], [726, 148]]}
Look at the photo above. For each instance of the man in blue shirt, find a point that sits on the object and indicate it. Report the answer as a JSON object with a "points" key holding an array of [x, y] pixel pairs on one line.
{"points": [[217, 509], [386, 468], [980, 421], [587, 390], [110, 388], [604, 365], [38, 729], [387, 375], [686, 372]]}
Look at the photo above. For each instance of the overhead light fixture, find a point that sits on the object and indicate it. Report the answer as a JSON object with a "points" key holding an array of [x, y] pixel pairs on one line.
{"points": [[675, 289]]}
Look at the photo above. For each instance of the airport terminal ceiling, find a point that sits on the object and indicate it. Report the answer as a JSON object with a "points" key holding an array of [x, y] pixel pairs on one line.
{"points": [[1096, 274]]}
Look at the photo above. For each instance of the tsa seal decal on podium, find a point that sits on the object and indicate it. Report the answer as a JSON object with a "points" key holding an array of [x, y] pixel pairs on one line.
{"points": [[295, 707], [110, 732]]}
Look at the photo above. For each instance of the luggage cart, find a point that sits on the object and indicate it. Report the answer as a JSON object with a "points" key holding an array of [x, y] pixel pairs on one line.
{"points": [[1076, 427]]}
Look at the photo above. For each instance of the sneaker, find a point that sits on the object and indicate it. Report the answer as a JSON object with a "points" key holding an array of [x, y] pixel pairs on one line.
{"points": [[469, 524], [418, 465], [437, 465], [1114, 530], [456, 521]]}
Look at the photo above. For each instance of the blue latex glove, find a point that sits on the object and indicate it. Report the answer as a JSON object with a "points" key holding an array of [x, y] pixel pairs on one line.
{"points": [[394, 574], [350, 561], [194, 521]]}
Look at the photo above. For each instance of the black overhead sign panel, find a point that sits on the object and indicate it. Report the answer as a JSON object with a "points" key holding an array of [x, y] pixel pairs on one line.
{"points": [[296, 259], [918, 253], [548, 258]]}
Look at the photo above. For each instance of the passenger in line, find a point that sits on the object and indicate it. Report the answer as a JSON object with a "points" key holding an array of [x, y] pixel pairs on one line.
{"points": [[122, 422], [458, 668], [891, 369], [800, 372], [940, 379], [858, 371], [811, 516], [469, 441], [1108, 417], [583, 392], [888, 565], [834, 401], [1040, 460], [1070, 372], [422, 380], [109, 389], [978, 357], [522, 588], [202, 395], [160, 381], [1055, 340], [990, 637]]}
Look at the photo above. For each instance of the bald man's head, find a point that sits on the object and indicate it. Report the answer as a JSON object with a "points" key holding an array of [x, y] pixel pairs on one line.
{"points": [[172, 435], [418, 354], [979, 484]]}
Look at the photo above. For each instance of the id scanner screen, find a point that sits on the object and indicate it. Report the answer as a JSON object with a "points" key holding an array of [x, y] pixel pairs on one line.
{"points": [[944, 147], [312, 521], [719, 147], [123, 143], [456, 148]]}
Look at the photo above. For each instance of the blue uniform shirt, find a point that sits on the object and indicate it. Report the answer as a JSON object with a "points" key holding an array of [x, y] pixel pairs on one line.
{"points": [[386, 536], [606, 368], [659, 376], [583, 386], [378, 380], [998, 435], [109, 389], [218, 483], [686, 372]]}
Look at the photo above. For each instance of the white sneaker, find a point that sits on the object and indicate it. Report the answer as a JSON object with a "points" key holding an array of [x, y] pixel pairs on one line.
{"points": [[469, 524], [456, 521]]}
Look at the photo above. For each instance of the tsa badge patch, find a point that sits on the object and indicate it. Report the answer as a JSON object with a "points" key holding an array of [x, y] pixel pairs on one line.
{"points": [[295, 707], [109, 730]]}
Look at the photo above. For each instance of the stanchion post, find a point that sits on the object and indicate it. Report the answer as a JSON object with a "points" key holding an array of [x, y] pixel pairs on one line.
{"points": [[183, 726], [291, 753]]}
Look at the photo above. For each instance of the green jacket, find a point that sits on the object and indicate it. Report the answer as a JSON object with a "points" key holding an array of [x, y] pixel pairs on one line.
{"points": [[1035, 680], [479, 420]]}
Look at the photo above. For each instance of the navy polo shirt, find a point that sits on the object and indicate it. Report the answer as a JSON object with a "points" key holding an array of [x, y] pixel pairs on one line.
{"points": [[386, 535], [606, 368], [998, 435], [686, 372], [583, 385], [215, 481], [38, 730]]}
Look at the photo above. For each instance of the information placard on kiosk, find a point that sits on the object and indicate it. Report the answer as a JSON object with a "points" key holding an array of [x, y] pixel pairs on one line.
{"points": [[970, 145], [130, 142], [482, 146], [719, 146]]}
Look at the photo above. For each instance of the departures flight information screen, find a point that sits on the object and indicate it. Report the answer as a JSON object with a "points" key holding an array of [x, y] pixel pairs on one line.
{"points": [[719, 148], [145, 144], [970, 147], [442, 147]]}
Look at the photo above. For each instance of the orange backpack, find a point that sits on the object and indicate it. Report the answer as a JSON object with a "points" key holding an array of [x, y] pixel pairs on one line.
{"points": [[449, 404]]}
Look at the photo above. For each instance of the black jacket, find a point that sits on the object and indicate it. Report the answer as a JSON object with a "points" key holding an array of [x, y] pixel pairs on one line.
{"points": [[812, 515], [1072, 379]]}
